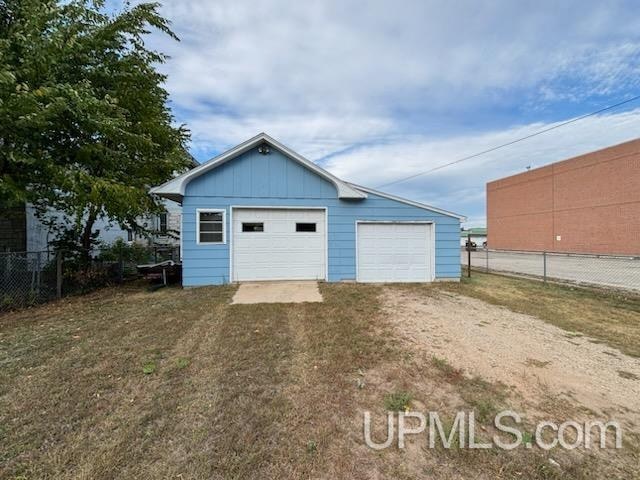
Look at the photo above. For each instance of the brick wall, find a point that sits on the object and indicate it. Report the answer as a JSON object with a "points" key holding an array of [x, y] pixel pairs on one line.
{"points": [[587, 204]]}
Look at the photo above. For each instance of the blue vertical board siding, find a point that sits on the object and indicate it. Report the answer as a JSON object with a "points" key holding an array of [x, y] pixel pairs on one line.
{"points": [[253, 179]]}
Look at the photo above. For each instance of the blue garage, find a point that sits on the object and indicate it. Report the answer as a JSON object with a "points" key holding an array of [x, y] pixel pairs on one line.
{"points": [[260, 211]]}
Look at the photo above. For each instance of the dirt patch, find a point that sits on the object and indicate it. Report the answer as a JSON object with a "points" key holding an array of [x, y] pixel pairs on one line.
{"points": [[535, 358]]}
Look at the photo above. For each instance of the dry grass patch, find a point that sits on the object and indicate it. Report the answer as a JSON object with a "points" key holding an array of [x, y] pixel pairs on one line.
{"points": [[125, 383], [181, 383], [606, 315]]}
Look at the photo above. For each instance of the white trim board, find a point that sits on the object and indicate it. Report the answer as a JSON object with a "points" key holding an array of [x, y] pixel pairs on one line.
{"points": [[224, 225], [174, 189]]}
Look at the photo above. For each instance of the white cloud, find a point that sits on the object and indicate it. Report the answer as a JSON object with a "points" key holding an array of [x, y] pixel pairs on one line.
{"points": [[461, 187], [286, 56], [313, 135], [383, 90]]}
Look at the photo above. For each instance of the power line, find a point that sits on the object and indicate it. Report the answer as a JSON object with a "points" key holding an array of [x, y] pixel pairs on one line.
{"points": [[493, 149]]}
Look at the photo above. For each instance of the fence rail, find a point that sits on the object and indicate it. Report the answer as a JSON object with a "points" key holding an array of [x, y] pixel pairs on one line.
{"points": [[30, 278], [598, 270]]}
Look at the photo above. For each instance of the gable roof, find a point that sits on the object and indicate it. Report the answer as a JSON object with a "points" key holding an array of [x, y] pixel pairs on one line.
{"points": [[174, 189]]}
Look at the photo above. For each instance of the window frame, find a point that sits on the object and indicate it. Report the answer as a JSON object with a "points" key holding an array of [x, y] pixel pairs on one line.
{"points": [[315, 227], [163, 222], [224, 225], [251, 223]]}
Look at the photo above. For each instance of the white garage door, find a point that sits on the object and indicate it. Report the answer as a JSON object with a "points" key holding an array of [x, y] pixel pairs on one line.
{"points": [[278, 244], [395, 252]]}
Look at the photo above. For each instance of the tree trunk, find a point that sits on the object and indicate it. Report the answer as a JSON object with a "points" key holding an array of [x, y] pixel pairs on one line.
{"points": [[85, 239]]}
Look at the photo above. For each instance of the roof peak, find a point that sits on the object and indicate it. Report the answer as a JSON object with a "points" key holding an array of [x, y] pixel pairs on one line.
{"points": [[174, 189]]}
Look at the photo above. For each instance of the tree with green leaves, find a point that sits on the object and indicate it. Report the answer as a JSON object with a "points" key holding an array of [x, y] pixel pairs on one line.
{"points": [[85, 127]]}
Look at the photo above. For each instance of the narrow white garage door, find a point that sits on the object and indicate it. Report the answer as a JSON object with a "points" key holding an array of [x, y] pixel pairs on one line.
{"points": [[278, 244], [395, 252]]}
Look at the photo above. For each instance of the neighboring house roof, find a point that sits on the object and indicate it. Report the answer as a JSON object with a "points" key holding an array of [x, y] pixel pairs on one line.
{"points": [[175, 188], [478, 231]]}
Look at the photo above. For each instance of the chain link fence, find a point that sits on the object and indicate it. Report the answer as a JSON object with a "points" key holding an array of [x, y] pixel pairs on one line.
{"points": [[31, 278], [596, 270]]}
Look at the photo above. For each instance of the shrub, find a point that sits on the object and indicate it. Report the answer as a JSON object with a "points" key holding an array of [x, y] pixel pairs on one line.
{"points": [[133, 252]]}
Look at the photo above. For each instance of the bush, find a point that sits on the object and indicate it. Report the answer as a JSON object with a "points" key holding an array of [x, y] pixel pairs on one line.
{"points": [[84, 280], [133, 253]]}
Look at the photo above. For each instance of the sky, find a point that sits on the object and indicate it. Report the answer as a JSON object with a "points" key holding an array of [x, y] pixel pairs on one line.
{"points": [[376, 91]]}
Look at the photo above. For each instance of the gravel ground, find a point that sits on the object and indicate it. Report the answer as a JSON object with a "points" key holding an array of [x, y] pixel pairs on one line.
{"points": [[521, 351]]}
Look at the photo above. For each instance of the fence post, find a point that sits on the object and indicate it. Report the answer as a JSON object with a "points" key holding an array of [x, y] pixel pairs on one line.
{"points": [[39, 274], [486, 252], [469, 256], [59, 274], [7, 264], [120, 268], [544, 267]]}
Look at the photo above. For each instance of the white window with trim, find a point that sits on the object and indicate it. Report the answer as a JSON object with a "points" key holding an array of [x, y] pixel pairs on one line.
{"points": [[210, 226]]}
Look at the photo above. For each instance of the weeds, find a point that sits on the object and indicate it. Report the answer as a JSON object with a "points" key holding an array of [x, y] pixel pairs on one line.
{"points": [[312, 447], [397, 401], [182, 363], [148, 368]]}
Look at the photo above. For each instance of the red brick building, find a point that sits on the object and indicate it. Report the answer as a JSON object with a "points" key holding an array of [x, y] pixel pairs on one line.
{"points": [[587, 204]]}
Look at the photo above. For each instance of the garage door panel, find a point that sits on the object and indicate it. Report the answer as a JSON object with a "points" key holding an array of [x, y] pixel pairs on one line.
{"points": [[278, 252], [394, 252]]}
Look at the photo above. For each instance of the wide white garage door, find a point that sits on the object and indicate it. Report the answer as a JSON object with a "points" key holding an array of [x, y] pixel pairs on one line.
{"points": [[395, 252], [278, 244]]}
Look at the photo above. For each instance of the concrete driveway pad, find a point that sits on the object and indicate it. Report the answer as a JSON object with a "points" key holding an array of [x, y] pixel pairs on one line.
{"points": [[277, 292]]}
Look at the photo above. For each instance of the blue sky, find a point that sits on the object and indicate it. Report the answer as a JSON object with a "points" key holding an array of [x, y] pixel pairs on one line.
{"points": [[375, 91]]}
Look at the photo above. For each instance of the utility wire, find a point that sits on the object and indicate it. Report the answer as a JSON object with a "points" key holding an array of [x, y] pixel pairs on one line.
{"points": [[493, 149]]}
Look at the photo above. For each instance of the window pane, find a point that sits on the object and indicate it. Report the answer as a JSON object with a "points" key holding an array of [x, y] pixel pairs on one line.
{"points": [[163, 222], [210, 237], [211, 216], [305, 227], [211, 226], [253, 227]]}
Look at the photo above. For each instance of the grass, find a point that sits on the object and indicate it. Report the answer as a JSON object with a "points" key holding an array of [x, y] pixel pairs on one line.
{"points": [[125, 383], [149, 368], [182, 363], [610, 317], [483, 397], [397, 401]]}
